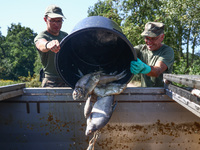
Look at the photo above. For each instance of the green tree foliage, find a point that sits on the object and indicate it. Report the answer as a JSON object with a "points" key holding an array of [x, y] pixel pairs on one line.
{"points": [[2, 49], [18, 51], [106, 9], [183, 15]]}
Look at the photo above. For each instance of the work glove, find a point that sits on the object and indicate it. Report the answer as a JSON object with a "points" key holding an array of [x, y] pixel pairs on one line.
{"points": [[139, 67]]}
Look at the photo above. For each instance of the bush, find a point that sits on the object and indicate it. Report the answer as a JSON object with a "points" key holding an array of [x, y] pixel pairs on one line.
{"points": [[31, 81], [8, 82]]}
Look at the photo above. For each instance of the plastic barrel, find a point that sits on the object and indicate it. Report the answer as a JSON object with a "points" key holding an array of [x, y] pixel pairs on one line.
{"points": [[96, 43]]}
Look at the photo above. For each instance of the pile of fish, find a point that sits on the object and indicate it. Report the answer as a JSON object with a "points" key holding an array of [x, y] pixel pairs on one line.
{"points": [[98, 87]]}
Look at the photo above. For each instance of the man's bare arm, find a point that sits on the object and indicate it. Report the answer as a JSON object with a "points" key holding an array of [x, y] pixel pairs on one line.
{"points": [[45, 46], [156, 70]]}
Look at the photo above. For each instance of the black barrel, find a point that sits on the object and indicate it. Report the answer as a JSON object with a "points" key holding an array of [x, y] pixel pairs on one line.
{"points": [[96, 43]]}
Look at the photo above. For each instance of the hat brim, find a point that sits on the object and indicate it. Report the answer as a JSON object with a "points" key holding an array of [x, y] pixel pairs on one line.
{"points": [[53, 15], [150, 34]]}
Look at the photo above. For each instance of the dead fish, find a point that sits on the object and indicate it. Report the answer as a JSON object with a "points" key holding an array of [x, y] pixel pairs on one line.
{"points": [[89, 104], [104, 79], [100, 114], [88, 107], [87, 83], [109, 89], [85, 86]]}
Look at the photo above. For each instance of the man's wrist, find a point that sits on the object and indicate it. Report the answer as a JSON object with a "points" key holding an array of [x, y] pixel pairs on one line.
{"points": [[46, 44], [146, 69]]}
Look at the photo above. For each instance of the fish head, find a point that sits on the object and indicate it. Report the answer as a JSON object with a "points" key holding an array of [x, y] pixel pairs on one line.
{"points": [[96, 76], [78, 94], [91, 127], [88, 132]]}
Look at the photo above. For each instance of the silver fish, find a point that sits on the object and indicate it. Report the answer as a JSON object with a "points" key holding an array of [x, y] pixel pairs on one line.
{"points": [[88, 82], [100, 114], [109, 89], [85, 86], [89, 104], [104, 79], [88, 107]]}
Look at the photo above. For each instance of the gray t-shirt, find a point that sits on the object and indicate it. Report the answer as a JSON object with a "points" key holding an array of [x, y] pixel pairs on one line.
{"points": [[47, 58], [164, 54]]}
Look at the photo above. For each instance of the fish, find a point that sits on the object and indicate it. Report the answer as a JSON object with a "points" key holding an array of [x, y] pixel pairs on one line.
{"points": [[89, 104], [109, 89], [85, 86], [108, 78], [88, 107], [100, 114]]}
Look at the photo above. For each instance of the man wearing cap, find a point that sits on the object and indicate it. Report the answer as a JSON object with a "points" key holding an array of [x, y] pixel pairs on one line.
{"points": [[48, 44], [154, 58]]}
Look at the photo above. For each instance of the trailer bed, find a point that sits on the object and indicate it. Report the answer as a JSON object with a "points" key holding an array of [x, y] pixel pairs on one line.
{"points": [[144, 119]]}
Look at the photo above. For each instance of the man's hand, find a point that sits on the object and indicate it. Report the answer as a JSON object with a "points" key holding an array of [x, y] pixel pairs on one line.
{"points": [[139, 67], [53, 46]]}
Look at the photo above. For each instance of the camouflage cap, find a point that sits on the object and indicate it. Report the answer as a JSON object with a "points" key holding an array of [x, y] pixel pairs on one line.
{"points": [[153, 29], [54, 11]]}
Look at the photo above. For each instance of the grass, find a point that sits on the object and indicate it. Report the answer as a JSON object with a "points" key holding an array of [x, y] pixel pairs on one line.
{"points": [[8, 82], [29, 81]]}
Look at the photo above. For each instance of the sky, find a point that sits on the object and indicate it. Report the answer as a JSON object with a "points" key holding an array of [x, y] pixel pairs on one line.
{"points": [[30, 13]]}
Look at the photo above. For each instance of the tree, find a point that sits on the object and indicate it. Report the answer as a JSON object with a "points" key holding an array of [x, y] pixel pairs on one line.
{"points": [[2, 49], [19, 53], [184, 17], [106, 9]]}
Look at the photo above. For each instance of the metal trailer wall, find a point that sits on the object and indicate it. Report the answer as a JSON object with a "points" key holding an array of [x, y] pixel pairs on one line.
{"points": [[144, 119]]}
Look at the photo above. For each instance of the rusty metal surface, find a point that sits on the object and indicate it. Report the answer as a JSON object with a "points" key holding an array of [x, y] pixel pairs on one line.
{"points": [[188, 80], [38, 123]]}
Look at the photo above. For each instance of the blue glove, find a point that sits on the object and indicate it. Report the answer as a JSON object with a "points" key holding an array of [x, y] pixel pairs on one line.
{"points": [[139, 67]]}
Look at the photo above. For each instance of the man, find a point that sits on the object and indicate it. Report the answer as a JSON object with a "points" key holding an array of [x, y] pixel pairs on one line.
{"points": [[48, 44], [154, 58]]}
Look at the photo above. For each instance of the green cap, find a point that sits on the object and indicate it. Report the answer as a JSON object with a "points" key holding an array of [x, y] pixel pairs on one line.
{"points": [[54, 11], [153, 29]]}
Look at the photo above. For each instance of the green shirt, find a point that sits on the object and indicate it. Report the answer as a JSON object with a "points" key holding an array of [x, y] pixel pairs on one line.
{"points": [[164, 54], [47, 58]]}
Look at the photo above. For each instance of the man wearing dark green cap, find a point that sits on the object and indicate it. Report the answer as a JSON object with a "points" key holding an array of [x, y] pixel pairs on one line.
{"points": [[48, 44], [154, 58]]}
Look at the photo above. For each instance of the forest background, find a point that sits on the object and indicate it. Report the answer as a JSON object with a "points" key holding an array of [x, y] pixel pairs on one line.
{"points": [[20, 62]]}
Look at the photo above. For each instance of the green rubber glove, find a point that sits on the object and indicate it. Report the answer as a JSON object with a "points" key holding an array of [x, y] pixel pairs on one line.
{"points": [[139, 67]]}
